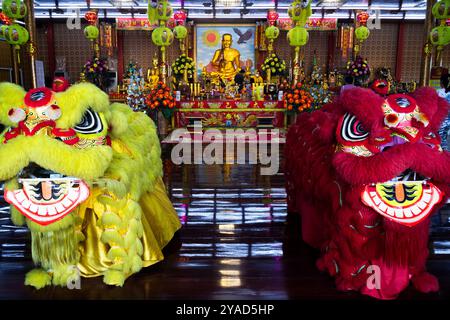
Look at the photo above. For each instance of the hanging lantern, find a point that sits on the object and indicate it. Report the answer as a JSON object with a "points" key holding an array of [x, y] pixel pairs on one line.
{"points": [[16, 35], [163, 11], [441, 9], [180, 32], [91, 17], [272, 17], [162, 37], [440, 36], [298, 36], [362, 33], [91, 32], [179, 17], [14, 9], [362, 18], [299, 11], [272, 32], [4, 18]]}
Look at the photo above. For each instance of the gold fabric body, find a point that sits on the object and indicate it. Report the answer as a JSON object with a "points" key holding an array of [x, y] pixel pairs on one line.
{"points": [[159, 220]]}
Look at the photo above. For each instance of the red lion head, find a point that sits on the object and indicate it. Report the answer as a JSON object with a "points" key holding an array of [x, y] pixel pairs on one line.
{"points": [[365, 173]]}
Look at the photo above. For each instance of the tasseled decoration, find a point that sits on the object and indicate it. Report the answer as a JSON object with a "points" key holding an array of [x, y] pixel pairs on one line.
{"points": [[405, 245], [55, 247]]}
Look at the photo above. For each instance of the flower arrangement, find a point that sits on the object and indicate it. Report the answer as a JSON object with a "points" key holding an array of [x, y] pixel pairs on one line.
{"points": [[275, 64], [161, 99], [298, 99], [95, 71], [358, 68], [95, 66], [181, 64]]}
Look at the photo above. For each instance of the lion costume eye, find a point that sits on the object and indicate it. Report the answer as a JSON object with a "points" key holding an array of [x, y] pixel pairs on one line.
{"points": [[90, 123], [352, 129]]}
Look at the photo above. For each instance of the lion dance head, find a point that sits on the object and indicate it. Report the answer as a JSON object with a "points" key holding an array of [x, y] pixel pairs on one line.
{"points": [[85, 176], [365, 173]]}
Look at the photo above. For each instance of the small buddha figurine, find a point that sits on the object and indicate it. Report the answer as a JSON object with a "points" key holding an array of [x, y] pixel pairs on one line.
{"points": [[325, 84], [153, 79], [257, 78], [204, 75], [82, 77]]}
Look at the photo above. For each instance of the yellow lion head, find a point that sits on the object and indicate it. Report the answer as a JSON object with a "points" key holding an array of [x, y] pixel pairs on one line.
{"points": [[72, 159]]}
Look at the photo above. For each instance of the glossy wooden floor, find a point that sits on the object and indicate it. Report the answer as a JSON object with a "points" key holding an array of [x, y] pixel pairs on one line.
{"points": [[235, 244]]}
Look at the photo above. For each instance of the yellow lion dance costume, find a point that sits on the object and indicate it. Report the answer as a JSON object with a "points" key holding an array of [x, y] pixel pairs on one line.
{"points": [[86, 177]]}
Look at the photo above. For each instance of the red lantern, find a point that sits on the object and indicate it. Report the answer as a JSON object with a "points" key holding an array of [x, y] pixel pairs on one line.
{"points": [[362, 18], [91, 17], [179, 17], [272, 17], [4, 18]]}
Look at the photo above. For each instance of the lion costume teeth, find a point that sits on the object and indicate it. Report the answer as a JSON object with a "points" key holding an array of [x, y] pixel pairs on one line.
{"points": [[97, 204], [354, 173]]}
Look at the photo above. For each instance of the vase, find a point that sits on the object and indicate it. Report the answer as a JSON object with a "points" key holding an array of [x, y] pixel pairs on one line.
{"points": [[163, 124]]}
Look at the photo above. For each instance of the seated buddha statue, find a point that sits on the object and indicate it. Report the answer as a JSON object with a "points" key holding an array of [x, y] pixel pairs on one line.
{"points": [[226, 60]]}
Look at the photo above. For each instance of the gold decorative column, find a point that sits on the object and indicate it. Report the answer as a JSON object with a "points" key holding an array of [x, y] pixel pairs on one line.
{"points": [[162, 36], [425, 67], [16, 67], [298, 36], [31, 26]]}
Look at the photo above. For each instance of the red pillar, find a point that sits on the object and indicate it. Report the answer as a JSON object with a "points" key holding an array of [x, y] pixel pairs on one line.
{"points": [[399, 58], [51, 48], [120, 67], [331, 45]]}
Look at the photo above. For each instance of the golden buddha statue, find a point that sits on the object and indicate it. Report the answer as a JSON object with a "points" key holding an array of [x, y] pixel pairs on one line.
{"points": [[226, 60], [152, 78]]}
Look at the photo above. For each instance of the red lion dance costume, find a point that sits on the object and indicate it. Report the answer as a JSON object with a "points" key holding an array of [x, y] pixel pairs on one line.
{"points": [[365, 173]]}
